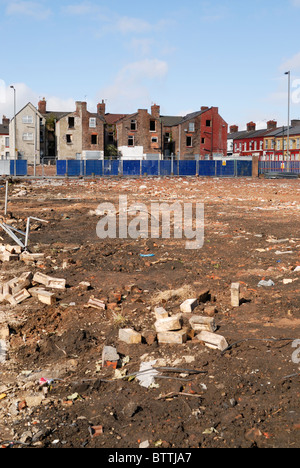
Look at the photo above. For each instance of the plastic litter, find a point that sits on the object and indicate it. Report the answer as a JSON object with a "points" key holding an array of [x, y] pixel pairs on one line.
{"points": [[147, 374], [267, 284]]}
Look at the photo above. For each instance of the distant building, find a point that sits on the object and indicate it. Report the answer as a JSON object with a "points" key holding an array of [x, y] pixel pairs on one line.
{"points": [[4, 139], [30, 135], [249, 142], [80, 134], [200, 135], [276, 143]]}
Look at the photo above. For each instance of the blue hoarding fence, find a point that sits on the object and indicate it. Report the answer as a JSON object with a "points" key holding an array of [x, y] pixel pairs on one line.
{"points": [[18, 167], [155, 168], [265, 167]]}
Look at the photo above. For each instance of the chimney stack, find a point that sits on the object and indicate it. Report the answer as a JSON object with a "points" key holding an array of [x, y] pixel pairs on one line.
{"points": [[101, 108], [155, 111], [234, 129], [295, 123], [204, 108], [5, 121], [271, 125], [81, 107], [251, 127], [42, 106]]}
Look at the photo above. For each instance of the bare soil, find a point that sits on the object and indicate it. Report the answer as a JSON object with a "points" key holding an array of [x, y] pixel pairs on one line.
{"points": [[246, 397]]}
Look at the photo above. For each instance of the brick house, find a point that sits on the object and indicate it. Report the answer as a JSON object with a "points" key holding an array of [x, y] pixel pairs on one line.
{"points": [[139, 135], [29, 142], [276, 143], [249, 142], [201, 134], [80, 134], [4, 139], [143, 135]]}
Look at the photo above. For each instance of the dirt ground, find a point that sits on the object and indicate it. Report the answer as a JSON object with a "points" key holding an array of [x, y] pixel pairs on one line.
{"points": [[247, 396]]}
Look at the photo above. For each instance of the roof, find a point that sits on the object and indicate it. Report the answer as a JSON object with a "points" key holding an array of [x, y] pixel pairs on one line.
{"points": [[282, 131], [57, 114], [241, 135], [170, 120], [193, 115], [111, 119]]}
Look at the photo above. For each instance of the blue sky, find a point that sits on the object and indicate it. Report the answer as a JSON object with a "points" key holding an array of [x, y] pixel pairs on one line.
{"points": [[181, 55]]}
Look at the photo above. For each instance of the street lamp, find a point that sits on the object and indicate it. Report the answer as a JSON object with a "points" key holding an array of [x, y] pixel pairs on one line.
{"points": [[15, 132], [289, 100]]}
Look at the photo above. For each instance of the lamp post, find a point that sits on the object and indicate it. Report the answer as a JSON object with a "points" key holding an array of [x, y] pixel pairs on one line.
{"points": [[15, 133], [289, 102]]}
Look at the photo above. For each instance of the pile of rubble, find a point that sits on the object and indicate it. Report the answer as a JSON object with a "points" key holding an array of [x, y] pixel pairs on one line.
{"points": [[177, 329], [20, 288]]}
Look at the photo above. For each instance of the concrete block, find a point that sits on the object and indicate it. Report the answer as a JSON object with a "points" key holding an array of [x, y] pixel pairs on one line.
{"points": [[235, 294], [46, 297], [172, 337], [130, 336], [49, 281], [160, 313], [110, 357], [212, 340], [200, 323], [168, 324], [189, 305]]}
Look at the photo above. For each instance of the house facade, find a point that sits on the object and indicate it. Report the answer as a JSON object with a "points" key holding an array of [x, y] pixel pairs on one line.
{"points": [[200, 135], [139, 135], [29, 142], [276, 143], [249, 142], [4, 139], [80, 134]]}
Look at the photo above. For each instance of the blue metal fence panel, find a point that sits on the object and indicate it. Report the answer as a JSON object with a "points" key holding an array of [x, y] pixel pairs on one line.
{"points": [[207, 168], [20, 166], [244, 168], [150, 168], [131, 168], [61, 167], [225, 169], [74, 168], [165, 168], [93, 167], [187, 168], [112, 167]]}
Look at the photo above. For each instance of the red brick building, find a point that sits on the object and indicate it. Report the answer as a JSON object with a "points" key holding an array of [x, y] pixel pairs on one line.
{"points": [[202, 134], [249, 142]]}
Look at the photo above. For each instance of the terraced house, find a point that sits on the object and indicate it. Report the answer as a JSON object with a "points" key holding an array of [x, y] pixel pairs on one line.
{"points": [[276, 143], [4, 139]]}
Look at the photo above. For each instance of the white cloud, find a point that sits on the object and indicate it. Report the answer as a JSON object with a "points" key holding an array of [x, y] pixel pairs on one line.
{"points": [[292, 63], [131, 87], [36, 10], [24, 95]]}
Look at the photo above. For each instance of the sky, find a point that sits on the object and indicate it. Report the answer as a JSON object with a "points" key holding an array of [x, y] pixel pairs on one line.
{"points": [[231, 54]]}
